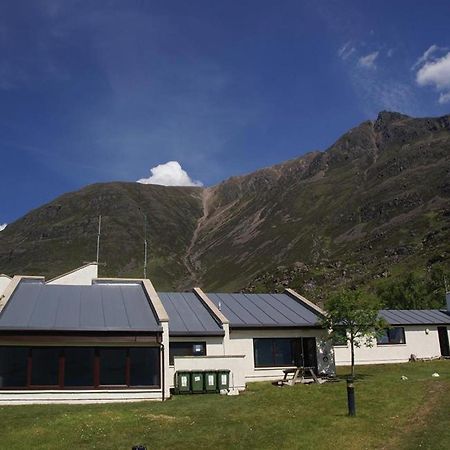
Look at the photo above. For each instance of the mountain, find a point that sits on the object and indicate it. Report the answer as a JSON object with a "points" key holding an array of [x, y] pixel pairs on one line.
{"points": [[374, 205]]}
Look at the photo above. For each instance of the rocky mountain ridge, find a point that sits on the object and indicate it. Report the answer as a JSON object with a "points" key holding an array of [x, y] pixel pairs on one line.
{"points": [[375, 204]]}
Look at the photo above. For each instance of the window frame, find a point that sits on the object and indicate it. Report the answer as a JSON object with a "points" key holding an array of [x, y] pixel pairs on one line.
{"points": [[192, 343], [387, 334], [96, 368], [273, 364]]}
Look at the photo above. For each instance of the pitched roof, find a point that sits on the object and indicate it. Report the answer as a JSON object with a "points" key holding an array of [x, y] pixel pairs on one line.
{"points": [[264, 310], [188, 315], [35, 305], [415, 316]]}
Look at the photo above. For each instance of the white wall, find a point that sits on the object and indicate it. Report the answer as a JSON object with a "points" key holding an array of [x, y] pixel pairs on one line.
{"points": [[82, 276], [241, 343], [417, 342], [4, 281], [214, 347], [28, 397]]}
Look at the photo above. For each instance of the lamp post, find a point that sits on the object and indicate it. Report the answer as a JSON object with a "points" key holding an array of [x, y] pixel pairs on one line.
{"points": [[351, 397]]}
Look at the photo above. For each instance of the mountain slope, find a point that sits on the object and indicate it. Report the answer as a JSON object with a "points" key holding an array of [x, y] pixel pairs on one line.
{"points": [[376, 203]]}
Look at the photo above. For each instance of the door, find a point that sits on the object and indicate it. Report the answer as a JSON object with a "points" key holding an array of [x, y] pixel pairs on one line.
{"points": [[443, 341], [310, 352]]}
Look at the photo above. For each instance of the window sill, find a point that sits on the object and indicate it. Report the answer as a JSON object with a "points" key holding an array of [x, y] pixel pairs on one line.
{"points": [[275, 367], [390, 345]]}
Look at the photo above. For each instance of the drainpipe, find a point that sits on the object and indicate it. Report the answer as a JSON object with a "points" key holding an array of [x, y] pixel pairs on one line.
{"points": [[163, 384]]}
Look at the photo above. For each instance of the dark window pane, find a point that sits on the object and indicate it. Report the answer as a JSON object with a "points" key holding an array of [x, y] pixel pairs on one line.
{"points": [[283, 352], [395, 335], [186, 349], [79, 366], [144, 366], [45, 362], [112, 366], [383, 338], [277, 352], [13, 366], [263, 352]]}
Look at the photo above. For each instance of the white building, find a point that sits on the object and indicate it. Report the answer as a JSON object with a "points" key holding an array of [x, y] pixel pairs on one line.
{"points": [[78, 338]]}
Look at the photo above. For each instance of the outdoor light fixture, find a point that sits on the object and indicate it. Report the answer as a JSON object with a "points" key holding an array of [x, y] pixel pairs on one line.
{"points": [[427, 331]]}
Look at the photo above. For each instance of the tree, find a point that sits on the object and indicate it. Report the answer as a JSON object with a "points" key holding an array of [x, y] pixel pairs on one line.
{"points": [[414, 291], [354, 317]]}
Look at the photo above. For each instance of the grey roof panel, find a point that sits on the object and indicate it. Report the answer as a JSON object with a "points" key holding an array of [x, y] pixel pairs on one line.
{"points": [[264, 310], [188, 315], [100, 307], [415, 316]]}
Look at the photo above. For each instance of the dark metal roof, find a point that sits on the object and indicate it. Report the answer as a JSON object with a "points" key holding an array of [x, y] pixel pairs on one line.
{"points": [[35, 305], [264, 310], [415, 316], [188, 316]]}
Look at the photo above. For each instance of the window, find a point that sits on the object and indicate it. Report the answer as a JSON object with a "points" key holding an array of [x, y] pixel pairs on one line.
{"points": [[45, 366], [71, 367], [113, 363], [13, 366], [79, 366], [144, 366], [339, 337], [277, 352], [395, 335], [186, 349]]}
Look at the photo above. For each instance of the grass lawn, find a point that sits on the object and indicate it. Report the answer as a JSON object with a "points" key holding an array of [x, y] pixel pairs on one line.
{"points": [[390, 414]]}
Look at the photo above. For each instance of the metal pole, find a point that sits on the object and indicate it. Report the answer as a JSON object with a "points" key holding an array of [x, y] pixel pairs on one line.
{"points": [[145, 246], [351, 397], [98, 236]]}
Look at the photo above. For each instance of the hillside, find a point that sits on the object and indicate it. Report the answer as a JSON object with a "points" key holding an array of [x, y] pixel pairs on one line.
{"points": [[376, 204]]}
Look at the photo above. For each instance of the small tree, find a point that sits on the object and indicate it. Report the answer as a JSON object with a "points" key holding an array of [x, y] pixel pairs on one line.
{"points": [[353, 317]]}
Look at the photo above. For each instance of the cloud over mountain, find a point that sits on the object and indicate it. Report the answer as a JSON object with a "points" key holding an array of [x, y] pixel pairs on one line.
{"points": [[169, 174]]}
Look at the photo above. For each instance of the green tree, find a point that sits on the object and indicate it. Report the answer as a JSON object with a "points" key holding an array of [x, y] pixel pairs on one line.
{"points": [[413, 291], [354, 316]]}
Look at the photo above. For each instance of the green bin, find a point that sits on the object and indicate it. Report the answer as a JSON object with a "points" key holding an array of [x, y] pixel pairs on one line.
{"points": [[183, 385], [223, 381], [197, 382], [211, 381]]}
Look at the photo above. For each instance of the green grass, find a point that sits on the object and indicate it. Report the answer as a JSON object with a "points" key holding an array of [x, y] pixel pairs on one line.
{"points": [[390, 414]]}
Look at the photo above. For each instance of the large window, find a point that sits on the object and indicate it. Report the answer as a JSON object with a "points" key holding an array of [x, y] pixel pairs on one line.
{"points": [[186, 349], [278, 352], [13, 366], [79, 367], [395, 335]]}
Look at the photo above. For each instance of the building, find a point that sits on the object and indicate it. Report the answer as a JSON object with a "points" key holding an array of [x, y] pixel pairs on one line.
{"points": [[422, 333], [79, 338]]}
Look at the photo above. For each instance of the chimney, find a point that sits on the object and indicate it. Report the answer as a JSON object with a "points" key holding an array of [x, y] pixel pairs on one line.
{"points": [[447, 296]]}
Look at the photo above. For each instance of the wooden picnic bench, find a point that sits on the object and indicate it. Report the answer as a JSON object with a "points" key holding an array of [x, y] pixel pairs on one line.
{"points": [[299, 375]]}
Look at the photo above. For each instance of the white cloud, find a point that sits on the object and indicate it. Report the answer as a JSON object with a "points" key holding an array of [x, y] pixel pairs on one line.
{"points": [[436, 73], [426, 56], [368, 61], [3, 226], [170, 174], [444, 98], [346, 51]]}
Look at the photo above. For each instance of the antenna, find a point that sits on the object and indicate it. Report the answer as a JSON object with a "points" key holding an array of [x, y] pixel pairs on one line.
{"points": [[98, 236], [145, 246]]}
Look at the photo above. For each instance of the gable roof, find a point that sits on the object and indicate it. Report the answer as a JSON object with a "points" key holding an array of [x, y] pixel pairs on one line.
{"points": [[36, 306], [415, 316], [188, 316], [264, 310]]}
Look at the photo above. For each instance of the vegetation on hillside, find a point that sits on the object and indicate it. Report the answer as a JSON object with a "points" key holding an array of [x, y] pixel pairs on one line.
{"points": [[371, 209]]}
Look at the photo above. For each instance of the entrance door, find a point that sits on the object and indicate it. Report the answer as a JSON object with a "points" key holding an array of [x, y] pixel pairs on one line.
{"points": [[310, 352], [443, 341]]}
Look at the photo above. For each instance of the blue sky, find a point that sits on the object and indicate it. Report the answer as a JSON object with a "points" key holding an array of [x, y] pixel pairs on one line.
{"points": [[107, 90]]}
